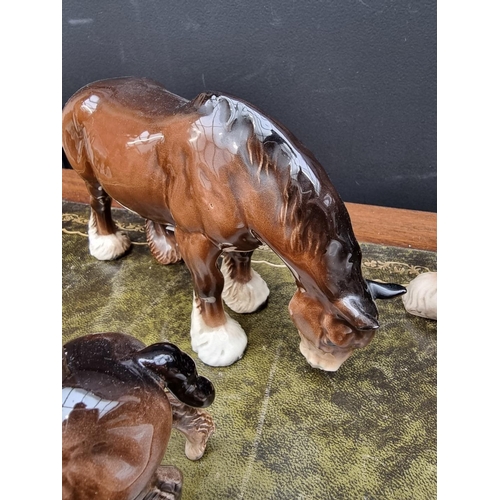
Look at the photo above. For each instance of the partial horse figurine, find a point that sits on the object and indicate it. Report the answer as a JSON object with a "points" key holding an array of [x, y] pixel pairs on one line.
{"points": [[120, 401], [214, 178], [421, 299]]}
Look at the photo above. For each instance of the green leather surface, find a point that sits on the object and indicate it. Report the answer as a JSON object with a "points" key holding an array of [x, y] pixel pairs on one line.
{"points": [[284, 429]]}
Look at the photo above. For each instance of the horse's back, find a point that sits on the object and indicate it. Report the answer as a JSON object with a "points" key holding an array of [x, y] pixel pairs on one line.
{"points": [[142, 96], [114, 134], [110, 110]]}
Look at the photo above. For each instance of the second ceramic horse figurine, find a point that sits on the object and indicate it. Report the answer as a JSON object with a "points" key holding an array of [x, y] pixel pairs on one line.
{"points": [[120, 401], [216, 177]]}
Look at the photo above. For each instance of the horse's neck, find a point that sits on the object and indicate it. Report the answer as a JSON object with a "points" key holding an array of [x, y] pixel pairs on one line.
{"points": [[317, 244], [305, 263]]}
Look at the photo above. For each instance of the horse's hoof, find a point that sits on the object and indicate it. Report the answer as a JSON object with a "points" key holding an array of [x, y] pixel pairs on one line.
{"points": [[108, 246], [220, 345], [421, 299], [162, 243], [196, 443], [244, 297]]}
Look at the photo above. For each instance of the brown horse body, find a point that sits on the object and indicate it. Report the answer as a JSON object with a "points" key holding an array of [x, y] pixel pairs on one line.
{"points": [[120, 401], [214, 176]]}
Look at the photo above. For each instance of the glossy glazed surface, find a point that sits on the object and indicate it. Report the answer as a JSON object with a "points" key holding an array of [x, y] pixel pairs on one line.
{"points": [[223, 177], [116, 414]]}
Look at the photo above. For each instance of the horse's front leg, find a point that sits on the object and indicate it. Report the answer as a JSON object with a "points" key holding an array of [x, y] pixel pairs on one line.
{"points": [[218, 339], [244, 290], [196, 424]]}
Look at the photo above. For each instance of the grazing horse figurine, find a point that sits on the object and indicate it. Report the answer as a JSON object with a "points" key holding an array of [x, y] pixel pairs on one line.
{"points": [[120, 401], [214, 177]]}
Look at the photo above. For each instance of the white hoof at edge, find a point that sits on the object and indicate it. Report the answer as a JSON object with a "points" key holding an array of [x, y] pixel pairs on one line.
{"points": [[109, 246], [244, 297], [218, 346], [421, 296]]}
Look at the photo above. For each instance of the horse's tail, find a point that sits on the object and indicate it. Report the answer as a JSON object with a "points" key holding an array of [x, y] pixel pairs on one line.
{"points": [[73, 143]]}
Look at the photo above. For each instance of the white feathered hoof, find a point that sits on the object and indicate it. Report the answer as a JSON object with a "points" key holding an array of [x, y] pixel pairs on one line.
{"points": [[196, 442], [108, 246], [244, 297], [421, 296], [220, 345]]}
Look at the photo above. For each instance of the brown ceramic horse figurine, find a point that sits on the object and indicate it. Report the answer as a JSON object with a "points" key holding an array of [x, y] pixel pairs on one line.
{"points": [[120, 401], [216, 177]]}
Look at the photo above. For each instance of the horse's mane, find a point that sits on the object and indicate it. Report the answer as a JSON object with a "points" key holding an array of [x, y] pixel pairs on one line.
{"points": [[309, 200]]}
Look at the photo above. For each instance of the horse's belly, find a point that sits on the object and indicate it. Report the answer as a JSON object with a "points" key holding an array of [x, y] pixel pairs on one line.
{"points": [[141, 195], [244, 242]]}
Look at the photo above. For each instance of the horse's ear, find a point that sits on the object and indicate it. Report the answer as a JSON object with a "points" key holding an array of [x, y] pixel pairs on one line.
{"points": [[384, 290]]}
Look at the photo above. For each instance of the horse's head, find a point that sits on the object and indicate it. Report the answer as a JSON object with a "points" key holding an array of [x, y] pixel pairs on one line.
{"points": [[330, 333], [339, 314]]}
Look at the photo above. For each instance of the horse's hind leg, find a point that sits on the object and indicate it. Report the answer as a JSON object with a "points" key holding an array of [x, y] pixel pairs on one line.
{"points": [[162, 243], [106, 241], [218, 339], [196, 425], [244, 290]]}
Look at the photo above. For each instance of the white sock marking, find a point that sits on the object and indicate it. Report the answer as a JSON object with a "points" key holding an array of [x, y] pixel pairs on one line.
{"points": [[109, 246], [220, 345], [243, 297]]}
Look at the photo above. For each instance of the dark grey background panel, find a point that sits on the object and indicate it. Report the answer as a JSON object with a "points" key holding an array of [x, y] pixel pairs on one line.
{"points": [[354, 80]]}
